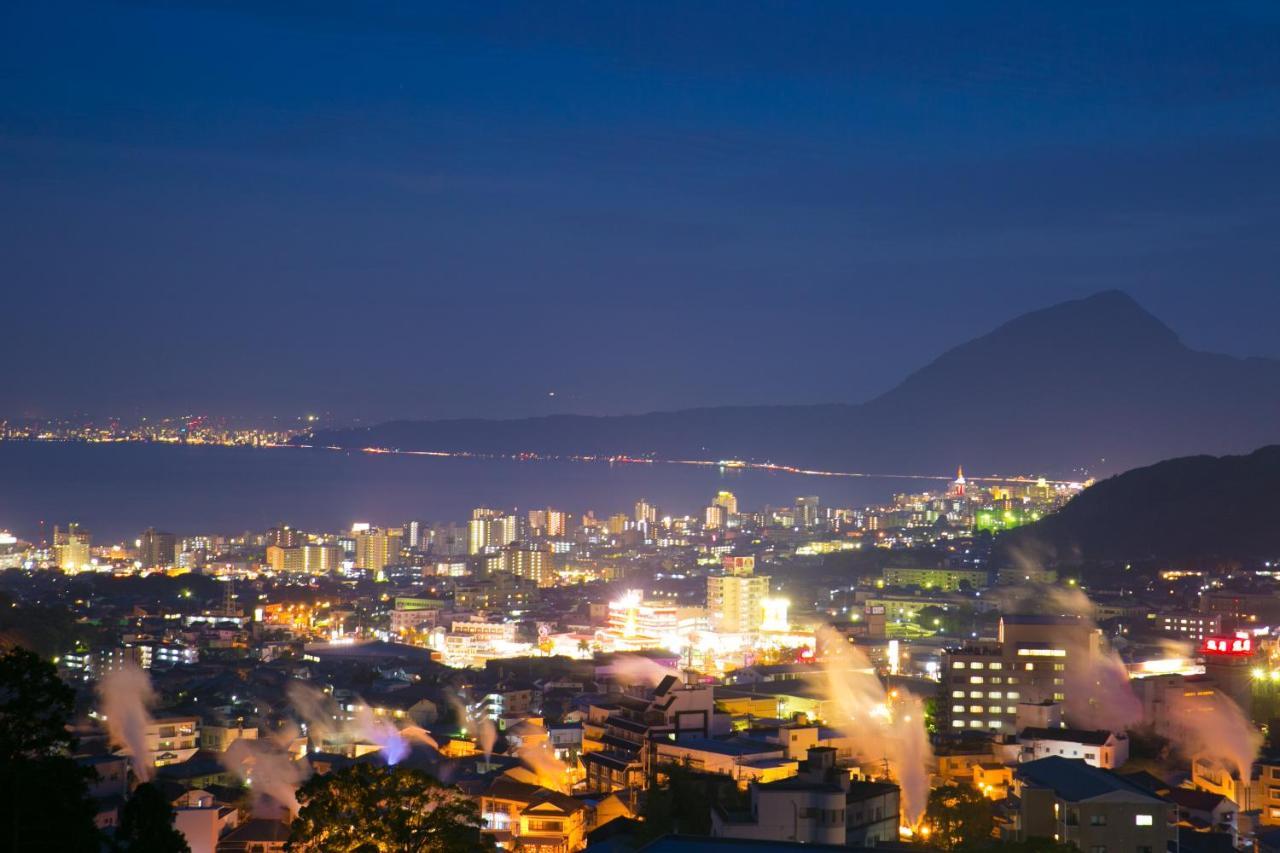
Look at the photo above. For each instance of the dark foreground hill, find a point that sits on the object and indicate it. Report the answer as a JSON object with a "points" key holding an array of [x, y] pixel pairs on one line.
{"points": [[1096, 383], [1197, 509]]}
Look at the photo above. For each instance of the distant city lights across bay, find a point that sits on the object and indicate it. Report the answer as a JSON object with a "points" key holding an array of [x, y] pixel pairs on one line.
{"points": [[706, 463]]}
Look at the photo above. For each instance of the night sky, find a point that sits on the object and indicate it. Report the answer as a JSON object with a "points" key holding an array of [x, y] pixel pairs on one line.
{"points": [[385, 210]]}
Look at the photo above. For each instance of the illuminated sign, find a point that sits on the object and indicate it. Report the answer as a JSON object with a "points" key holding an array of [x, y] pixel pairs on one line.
{"points": [[1237, 645]]}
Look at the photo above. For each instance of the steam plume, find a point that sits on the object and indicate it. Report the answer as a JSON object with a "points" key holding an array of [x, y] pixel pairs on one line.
{"points": [[637, 669], [880, 729], [126, 695], [551, 772], [269, 771]]}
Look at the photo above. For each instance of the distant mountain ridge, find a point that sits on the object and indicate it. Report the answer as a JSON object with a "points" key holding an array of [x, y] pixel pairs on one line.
{"points": [[1192, 509], [1095, 382]]}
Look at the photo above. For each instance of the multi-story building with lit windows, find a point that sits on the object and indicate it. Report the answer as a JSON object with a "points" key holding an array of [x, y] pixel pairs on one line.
{"points": [[71, 547], [1186, 624], [983, 685], [735, 603], [948, 580], [377, 548], [307, 559]]}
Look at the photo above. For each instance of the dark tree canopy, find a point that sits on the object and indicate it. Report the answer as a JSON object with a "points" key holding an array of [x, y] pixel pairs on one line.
{"points": [[958, 817], [34, 708], [146, 824], [44, 800], [370, 808]]}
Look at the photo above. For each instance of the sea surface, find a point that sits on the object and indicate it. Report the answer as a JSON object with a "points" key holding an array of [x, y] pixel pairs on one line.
{"points": [[118, 490]]}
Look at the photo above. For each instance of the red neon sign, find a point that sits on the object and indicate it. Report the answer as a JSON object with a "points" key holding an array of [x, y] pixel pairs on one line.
{"points": [[1227, 646]]}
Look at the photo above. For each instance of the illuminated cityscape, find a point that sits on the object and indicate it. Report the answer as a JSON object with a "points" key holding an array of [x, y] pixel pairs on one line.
{"points": [[639, 427]]}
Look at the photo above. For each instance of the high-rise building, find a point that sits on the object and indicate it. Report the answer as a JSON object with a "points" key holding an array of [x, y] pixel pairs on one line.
{"points": [[311, 559], [505, 530], [377, 548], [479, 535], [716, 517], [528, 563], [646, 513], [557, 522], [735, 603], [727, 500], [71, 547], [415, 534], [982, 685], [807, 510], [156, 548], [285, 536], [617, 523]]}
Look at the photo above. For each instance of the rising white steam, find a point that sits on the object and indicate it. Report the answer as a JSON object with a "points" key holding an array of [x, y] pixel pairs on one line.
{"points": [[637, 669], [882, 728], [269, 771], [126, 695], [551, 772], [325, 724]]}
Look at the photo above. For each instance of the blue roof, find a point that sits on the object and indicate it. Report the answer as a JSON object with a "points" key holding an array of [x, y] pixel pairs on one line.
{"points": [[737, 746], [1074, 780]]}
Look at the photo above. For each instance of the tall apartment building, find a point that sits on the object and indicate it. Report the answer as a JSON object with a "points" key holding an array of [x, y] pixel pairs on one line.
{"points": [[557, 522], [377, 548], [71, 547], [983, 685], [528, 563], [735, 599], [305, 559], [645, 512], [156, 548]]}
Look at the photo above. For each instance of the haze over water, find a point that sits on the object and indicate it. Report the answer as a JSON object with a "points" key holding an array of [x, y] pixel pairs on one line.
{"points": [[117, 490]]}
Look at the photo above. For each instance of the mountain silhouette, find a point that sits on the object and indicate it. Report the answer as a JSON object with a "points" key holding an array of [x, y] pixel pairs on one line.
{"points": [[1189, 510], [1095, 383]]}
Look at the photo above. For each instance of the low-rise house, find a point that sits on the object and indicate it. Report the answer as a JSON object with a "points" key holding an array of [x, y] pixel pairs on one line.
{"points": [[533, 818], [256, 835], [1069, 801], [1099, 748], [820, 805]]}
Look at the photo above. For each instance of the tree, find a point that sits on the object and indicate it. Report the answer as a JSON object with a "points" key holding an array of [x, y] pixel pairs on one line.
{"points": [[958, 817], [146, 824], [369, 808], [44, 796]]}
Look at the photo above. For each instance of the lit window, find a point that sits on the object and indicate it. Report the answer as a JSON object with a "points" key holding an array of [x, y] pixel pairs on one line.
{"points": [[957, 709], [957, 694], [957, 724], [1142, 819], [996, 666], [995, 694], [975, 679], [976, 665]]}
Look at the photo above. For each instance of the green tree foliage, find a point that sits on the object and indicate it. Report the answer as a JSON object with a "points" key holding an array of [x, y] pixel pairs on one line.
{"points": [[958, 818], [146, 824], [44, 800], [370, 808]]}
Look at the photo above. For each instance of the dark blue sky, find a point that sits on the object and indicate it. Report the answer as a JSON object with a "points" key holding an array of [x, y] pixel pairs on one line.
{"points": [[396, 209]]}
